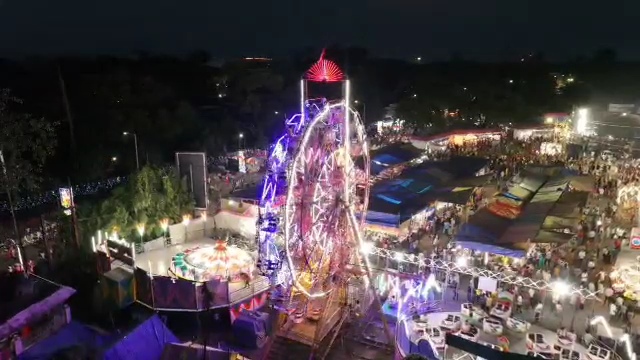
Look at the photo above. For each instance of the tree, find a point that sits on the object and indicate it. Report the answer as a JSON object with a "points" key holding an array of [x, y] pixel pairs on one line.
{"points": [[152, 194], [605, 56], [26, 143], [251, 93]]}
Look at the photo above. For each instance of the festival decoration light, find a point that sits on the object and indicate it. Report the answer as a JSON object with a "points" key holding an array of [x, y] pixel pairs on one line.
{"points": [[366, 248], [140, 227], [308, 193], [582, 121], [164, 224], [52, 196], [560, 288], [324, 71], [449, 266], [417, 288], [320, 225]]}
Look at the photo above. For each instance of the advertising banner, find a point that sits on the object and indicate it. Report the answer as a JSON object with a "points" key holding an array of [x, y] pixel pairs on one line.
{"points": [[634, 239], [66, 199]]}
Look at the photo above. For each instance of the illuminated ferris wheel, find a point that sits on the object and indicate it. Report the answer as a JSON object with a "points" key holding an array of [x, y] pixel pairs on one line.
{"points": [[321, 231], [317, 180], [308, 231], [313, 190]]}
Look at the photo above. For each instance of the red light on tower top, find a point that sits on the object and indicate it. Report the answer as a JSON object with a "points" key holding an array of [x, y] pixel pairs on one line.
{"points": [[324, 71]]}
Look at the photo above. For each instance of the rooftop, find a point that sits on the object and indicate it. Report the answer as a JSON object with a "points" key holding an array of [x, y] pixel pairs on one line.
{"points": [[536, 207], [417, 187], [20, 292]]}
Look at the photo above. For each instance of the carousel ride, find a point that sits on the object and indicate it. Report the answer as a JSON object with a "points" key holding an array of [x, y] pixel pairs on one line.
{"points": [[308, 232], [209, 262]]}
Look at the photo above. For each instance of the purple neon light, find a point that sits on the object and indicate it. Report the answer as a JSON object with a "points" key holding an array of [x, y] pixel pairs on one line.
{"points": [[270, 188]]}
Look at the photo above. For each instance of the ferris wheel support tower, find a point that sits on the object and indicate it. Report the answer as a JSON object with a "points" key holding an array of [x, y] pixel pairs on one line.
{"points": [[308, 234]]}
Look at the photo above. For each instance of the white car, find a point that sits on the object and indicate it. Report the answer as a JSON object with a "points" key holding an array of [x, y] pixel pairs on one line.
{"points": [[566, 339], [471, 333], [568, 354], [537, 343], [466, 308], [517, 325], [451, 322], [598, 353], [492, 325], [502, 310], [436, 336], [471, 311]]}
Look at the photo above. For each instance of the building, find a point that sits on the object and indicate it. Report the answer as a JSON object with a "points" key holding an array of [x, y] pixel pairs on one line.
{"points": [[31, 310]]}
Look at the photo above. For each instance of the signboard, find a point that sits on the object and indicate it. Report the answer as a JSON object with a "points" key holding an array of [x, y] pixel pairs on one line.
{"points": [[192, 168], [121, 250], [634, 239], [621, 108], [66, 199]]}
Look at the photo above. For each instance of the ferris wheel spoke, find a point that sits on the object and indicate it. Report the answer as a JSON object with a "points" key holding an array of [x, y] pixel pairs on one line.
{"points": [[319, 238]]}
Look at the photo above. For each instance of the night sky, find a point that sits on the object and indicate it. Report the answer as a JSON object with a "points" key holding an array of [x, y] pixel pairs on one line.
{"points": [[433, 29]]}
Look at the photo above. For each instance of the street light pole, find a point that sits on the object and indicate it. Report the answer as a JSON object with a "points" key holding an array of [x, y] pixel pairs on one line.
{"points": [[18, 242], [240, 137], [135, 143], [364, 110]]}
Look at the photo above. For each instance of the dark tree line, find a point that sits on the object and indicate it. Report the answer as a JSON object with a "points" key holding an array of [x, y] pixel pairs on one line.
{"points": [[189, 104]]}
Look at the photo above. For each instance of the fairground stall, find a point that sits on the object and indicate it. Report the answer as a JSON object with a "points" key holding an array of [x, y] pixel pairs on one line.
{"points": [[441, 142], [625, 275], [239, 211], [406, 205], [628, 200], [533, 215], [533, 132]]}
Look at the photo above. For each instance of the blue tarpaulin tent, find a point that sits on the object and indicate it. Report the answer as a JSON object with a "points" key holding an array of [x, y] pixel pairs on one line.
{"points": [[145, 342], [69, 336]]}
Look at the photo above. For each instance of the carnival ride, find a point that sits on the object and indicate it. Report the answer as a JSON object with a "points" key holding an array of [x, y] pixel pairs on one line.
{"points": [[308, 232], [208, 262]]}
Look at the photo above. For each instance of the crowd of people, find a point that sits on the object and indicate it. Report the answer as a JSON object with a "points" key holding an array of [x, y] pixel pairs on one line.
{"points": [[586, 261]]}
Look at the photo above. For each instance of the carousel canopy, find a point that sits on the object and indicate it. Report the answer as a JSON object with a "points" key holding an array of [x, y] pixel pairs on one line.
{"points": [[217, 261]]}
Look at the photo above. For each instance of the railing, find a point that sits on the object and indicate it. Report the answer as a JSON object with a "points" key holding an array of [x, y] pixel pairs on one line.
{"points": [[241, 294], [447, 266]]}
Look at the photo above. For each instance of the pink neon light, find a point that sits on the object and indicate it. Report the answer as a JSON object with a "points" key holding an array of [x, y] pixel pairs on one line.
{"points": [[324, 71], [256, 303]]}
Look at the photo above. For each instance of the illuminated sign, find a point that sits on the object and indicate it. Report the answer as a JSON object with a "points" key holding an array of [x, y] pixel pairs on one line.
{"points": [[634, 241], [66, 199], [242, 162]]}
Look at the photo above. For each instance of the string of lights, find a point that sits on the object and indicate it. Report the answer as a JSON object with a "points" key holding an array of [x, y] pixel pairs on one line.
{"points": [[461, 267], [51, 196]]}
